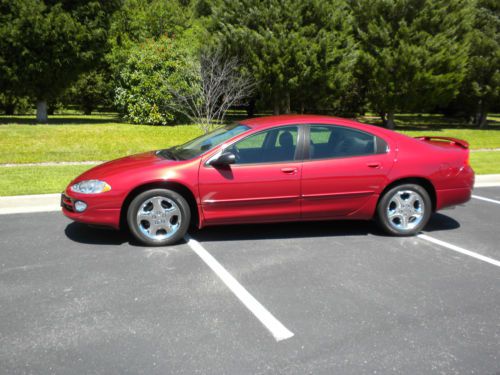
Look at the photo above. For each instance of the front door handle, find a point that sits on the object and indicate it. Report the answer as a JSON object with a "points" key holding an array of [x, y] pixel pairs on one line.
{"points": [[373, 165], [289, 170]]}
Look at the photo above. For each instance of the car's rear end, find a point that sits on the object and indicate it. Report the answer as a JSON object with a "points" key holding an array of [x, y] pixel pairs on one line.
{"points": [[454, 177]]}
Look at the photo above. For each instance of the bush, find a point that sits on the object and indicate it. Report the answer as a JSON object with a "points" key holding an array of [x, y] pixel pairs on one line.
{"points": [[151, 73]]}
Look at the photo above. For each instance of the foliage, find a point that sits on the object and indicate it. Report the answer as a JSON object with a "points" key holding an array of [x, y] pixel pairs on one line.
{"points": [[138, 21], [152, 71], [44, 45], [412, 55], [481, 88], [298, 50], [92, 90]]}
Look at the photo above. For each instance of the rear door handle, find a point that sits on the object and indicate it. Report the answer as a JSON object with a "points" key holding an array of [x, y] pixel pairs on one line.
{"points": [[373, 165], [289, 170]]}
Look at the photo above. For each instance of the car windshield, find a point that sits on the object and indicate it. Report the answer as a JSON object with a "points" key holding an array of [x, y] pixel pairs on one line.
{"points": [[203, 143]]}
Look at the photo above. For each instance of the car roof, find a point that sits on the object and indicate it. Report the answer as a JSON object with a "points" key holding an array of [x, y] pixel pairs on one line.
{"points": [[295, 119], [270, 121]]}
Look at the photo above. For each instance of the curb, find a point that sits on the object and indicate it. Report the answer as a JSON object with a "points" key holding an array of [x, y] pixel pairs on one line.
{"points": [[19, 204]]}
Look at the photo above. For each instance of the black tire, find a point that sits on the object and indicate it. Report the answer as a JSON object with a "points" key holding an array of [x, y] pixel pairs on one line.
{"points": [[392, 221], [170, 200]]}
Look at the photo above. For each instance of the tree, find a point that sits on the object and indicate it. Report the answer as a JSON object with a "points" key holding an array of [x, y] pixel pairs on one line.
{"points": [[138, 21], [45, 45], [297, 50], [153, 70], [411, 52], [217, 84], [91, 90], [481, 89]]}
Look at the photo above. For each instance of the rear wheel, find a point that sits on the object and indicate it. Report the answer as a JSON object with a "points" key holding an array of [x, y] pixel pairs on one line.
{"points": [[404, 210], [158, 217]]}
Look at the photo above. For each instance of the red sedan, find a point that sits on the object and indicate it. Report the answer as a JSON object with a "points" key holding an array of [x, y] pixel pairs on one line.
{"points": [[272, 169]]}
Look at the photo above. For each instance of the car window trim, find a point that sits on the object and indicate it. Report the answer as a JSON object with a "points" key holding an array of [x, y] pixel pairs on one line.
{"points": [[299, 150], [307, 155]]}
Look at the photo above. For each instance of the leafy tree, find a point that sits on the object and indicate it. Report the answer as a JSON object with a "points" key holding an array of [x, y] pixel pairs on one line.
{"points": [[140, 20], [297, 50], [412, 55], [153, 69], [481, 89], [44, 45], [91, 90]]}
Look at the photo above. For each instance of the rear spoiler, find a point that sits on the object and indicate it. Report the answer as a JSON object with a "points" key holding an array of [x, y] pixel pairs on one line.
{"points": [[453, 141]]}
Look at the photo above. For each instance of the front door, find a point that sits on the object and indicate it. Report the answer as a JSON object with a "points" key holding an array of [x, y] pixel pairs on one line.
{"points": [[263, 185]]}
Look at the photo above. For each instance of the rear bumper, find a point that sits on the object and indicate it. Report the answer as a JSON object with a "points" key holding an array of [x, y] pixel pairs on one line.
{"points": [[452, 197], [455, 189], [94, 214]]}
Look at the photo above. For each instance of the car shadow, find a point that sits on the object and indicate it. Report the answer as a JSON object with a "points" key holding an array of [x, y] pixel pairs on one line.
{"points": [[85, 234], [310, 229], [89, 235]]}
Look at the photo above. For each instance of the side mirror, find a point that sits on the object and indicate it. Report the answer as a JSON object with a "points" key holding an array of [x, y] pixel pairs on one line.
{"points": [[226, 158]]}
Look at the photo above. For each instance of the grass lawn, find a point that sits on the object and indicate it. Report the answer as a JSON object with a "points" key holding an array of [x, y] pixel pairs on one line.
{"points": [[82, 138], [103, 137], [37, 180]]}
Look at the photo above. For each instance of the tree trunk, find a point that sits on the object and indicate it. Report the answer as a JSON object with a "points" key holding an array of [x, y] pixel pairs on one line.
{"points": [[41, 111], [276, 104], [10, 109], [483, 120], [87, 111], [286, 104], [390, 124], [251, 108], [383, 118]]}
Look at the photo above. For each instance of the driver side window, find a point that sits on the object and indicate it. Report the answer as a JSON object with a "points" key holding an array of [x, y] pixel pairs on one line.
{"points": [[274, 145]]}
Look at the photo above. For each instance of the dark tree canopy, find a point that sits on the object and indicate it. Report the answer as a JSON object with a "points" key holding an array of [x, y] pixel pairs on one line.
{"points": [[44, 46], [411, 53]]}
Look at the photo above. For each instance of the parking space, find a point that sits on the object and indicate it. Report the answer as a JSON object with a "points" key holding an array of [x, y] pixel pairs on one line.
{"points": [[81, 300]]}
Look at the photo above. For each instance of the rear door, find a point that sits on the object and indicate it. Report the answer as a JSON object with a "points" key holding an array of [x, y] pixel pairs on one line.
{"points": [[262, 186], [345, 168]]}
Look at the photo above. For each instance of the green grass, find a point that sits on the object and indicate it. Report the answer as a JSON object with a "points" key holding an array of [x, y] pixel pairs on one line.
{"points": [[96, 138], [37, 180], [104, 137], [437, 125], [478, 139], [485, 162], [44, 180]]}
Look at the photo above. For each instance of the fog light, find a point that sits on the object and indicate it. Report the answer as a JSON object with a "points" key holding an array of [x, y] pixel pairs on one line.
{"points": [[80, 206]]}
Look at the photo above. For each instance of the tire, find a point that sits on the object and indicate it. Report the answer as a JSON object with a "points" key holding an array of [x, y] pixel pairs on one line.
{"points": [[404, 210], [158, 217]]}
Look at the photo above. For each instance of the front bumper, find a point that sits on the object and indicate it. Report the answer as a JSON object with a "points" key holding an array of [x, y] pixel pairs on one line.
{"points": [[98, 211]]}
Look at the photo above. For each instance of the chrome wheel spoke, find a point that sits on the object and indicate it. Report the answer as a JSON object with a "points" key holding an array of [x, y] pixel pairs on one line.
{"points": [[144, 216], [405, 210], [157, 204], [159, 218]]}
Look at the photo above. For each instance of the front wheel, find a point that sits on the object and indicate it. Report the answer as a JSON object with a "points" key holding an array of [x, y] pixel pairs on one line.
{"points": [[158, 217], [404, 210]]}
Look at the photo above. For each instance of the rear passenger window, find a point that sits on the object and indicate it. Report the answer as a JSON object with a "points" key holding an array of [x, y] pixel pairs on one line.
{"points": [[337, 141]]}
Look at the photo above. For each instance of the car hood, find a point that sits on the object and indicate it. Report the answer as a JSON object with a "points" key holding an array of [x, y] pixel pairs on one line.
{"points": [[124, 165]]}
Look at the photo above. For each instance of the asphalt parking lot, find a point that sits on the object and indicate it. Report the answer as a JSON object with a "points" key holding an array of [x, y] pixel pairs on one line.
{"points": [[78, 300]]}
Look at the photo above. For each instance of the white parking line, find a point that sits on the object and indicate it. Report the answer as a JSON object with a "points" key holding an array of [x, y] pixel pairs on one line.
{"points": [[485, 199], [460, 249], [277, 329]]}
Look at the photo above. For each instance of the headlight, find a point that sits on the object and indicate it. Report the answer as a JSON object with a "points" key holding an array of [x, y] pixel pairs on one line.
{"points": [[90, 187]]}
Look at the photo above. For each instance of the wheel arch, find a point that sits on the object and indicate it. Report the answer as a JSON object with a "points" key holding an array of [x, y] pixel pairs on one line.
{"points": [[422, 181], [171, 185]]}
